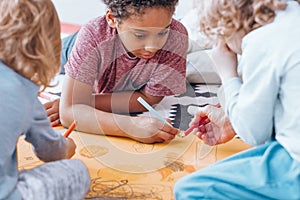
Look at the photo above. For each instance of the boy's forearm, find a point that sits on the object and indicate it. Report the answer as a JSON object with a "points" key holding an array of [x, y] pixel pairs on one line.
{"points": [[91, 120], [123, 102]]}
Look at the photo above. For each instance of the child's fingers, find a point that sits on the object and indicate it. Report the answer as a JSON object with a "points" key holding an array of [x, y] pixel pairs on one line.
{"points": [[55, 123], [168, 120], [166, 136], [160, 141], [208, 127], [52, 104], [193, 110], [200, 135], [197, 111], [54, 117], [52, 111], [201, 113], [202, 129], [169, 129], [48, 105]]}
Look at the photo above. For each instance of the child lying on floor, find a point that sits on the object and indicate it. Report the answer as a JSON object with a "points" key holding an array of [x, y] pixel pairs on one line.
{"points": [[135, 50]]}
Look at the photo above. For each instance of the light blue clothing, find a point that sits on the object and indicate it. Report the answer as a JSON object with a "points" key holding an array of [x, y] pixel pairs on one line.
{"points": [[67, 45], [262, 105], [264, 172], [22, 113]]}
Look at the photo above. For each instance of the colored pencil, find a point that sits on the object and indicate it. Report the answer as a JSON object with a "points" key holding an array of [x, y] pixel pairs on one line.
{"points": [[70, 129]]}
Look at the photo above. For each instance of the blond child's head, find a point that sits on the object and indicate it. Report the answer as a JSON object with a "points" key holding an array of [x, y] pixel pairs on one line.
{"points": [[223, 18], [30, 39]]}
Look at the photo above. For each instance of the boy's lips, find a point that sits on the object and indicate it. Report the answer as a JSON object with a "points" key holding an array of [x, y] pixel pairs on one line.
{"points": [[147, 56]]}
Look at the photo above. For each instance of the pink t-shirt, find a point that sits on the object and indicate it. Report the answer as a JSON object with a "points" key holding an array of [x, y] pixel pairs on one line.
{"points": [[98, 58]]}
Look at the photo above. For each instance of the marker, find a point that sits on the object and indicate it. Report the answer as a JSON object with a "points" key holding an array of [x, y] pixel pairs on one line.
{"points": [[152, 111], [190, 129], [70, 129], [202, 122]]}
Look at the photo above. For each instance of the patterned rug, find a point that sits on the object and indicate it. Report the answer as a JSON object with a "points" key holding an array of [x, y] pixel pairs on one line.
{"points": [[177, 107]]}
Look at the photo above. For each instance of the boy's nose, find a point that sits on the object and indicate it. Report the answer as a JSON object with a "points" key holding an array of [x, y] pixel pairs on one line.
{"points": [[150, 48]]}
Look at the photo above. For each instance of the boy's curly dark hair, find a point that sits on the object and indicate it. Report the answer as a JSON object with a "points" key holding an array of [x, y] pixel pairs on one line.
{"points": [[123, 9]]}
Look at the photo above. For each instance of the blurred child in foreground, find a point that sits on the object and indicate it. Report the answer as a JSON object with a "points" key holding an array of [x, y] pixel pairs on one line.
{"points": [[30, 49], [260, 107]]}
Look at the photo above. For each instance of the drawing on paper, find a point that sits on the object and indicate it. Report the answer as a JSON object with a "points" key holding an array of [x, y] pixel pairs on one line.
{"points": [[93, 151]]}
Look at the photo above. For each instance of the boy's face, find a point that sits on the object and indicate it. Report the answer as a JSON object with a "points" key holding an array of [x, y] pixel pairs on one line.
{"points": [[143, 35]]}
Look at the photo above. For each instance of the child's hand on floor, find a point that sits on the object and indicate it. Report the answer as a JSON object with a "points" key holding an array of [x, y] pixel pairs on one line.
{"points": [[52, 108]]}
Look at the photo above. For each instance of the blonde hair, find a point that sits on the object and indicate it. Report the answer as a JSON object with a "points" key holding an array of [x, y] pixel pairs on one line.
{"points": [[221, 18], [30, 40]]}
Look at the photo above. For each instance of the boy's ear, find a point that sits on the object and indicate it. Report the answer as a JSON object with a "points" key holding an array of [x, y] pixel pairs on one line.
{"points": [[110, 18]]}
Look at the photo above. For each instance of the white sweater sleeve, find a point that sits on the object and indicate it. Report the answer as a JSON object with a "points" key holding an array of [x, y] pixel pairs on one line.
{"points": [[250, 103]]}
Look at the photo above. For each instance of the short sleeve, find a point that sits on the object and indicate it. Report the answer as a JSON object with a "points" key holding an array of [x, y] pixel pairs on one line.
{"points": [[84, 59]]}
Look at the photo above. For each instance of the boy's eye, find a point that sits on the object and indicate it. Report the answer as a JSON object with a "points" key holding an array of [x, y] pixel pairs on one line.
{"points": [[163, 33], [139, 36]]}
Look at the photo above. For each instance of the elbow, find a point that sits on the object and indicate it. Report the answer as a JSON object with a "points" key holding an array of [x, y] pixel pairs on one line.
{"points": [[65, 117], [250, 141], [250, 132], [257, 142], [251, 138]]}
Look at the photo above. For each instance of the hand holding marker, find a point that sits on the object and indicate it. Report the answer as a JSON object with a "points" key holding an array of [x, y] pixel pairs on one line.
{"points": [[160, 118], [204, 120]]}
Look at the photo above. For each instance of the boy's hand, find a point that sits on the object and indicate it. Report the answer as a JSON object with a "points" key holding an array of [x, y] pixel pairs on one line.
{"points": [[150, 130], [52, 108], [71, 146]]}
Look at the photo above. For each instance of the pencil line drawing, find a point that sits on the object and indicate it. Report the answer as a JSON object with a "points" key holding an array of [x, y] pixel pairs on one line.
{"points": [[123, 189], [203, 150], [143, 148], [92, 151]]}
